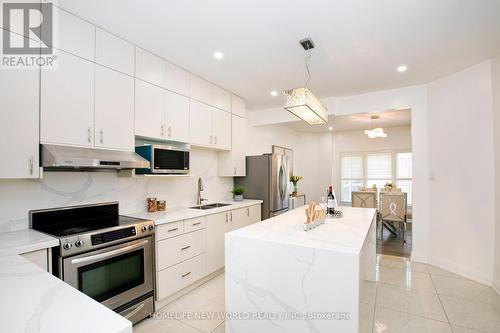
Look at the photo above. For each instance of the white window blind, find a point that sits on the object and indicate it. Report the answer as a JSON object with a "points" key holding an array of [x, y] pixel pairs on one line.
{"points": [[379, 166], [403, 165], [352, 167]]}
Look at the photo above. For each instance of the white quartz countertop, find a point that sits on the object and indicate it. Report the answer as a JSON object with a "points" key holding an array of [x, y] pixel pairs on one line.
{"points": [[36, 301], [183, 213], [343, 235], [22, 241]]}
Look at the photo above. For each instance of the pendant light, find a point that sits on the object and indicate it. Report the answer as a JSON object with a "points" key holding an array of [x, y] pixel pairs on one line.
{"points": [[376, 132], [301, 102]]}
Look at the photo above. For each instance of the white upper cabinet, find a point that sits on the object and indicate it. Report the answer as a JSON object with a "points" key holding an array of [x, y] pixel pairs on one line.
{"points": [[177, 79], [67, 102], [209, 93], [19, 125], [200, 124], [114, 52], [177, 117], [73, 34], [221, 129], [114, 109], [238, 106], [149, 110], [149, 67], [232, 163]]}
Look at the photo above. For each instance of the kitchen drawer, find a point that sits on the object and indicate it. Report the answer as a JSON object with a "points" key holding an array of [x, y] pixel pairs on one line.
{"points": [[169, 230], [194, 224], [174, 250], [173, 279]]}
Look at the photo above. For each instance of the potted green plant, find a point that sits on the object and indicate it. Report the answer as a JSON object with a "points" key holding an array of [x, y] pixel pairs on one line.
{"points": [[295, 179], [237, 192]]}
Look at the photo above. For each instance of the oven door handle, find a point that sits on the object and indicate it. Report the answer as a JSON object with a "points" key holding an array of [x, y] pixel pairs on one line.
{"points": [[133, 311], [109, 254]]}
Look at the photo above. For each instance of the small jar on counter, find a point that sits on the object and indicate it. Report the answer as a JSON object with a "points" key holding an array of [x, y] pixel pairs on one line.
{"points": [[161, 205], [151, 205]]}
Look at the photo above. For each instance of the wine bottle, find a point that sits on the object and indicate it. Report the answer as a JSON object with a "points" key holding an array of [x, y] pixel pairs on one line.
{"points": [[330, 205]]}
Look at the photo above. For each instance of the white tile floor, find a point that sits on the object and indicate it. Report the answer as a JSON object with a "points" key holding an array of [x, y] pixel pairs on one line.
{"points": [[408, 297]]}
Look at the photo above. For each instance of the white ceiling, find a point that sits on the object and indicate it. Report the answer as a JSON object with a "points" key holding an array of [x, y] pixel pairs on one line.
{"points": [[361, 121], [359, 42]]}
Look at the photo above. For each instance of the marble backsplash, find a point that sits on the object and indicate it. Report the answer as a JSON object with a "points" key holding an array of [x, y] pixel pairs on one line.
{"points": [[58, 189]]}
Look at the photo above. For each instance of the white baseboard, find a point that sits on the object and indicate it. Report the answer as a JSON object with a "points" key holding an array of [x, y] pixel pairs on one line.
{"points": [[419, 257], [463, 270], [496, 285]]}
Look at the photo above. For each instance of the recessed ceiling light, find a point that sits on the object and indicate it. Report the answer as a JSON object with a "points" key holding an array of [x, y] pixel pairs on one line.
{"points": [[330, 128], [218, 55], [274, 93], [402, 68]]}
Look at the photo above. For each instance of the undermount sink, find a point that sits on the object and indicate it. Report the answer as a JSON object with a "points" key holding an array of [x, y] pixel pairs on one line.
{"points": [[210, 206]]}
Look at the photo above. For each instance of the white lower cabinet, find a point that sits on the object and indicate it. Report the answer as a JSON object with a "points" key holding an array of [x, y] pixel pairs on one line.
{"points": [[189, 250], [177, 277]]}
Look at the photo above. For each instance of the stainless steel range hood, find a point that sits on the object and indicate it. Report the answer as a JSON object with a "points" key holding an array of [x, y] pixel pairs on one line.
{"points": [[63, 157]]}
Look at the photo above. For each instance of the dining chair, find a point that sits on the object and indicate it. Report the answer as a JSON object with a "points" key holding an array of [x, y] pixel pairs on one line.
{"points": [[393, 208], [366, 199]]}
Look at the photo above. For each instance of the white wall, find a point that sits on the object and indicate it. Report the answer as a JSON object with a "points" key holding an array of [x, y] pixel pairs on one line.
{"points": [[57, 189], [461, 192], [398, 138], [496, 104]]}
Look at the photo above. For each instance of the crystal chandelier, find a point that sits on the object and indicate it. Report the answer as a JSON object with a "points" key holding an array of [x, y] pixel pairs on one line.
{"points": [[376, 132], [301, 101]]}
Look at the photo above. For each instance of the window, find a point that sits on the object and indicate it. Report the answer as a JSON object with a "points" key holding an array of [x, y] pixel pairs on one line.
{"points": [[404, 174], [375, 168], [351, 174]]}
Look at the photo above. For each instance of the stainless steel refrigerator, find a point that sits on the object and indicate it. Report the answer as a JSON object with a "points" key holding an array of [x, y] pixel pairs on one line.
{"points": [[267, 179]]}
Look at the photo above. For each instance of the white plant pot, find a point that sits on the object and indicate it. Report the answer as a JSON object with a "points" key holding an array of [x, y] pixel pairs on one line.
{"points": [[238, 197]]}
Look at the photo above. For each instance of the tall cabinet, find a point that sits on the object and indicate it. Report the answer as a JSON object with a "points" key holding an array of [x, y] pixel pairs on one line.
{"points": [[232, 163], [19, 123]]}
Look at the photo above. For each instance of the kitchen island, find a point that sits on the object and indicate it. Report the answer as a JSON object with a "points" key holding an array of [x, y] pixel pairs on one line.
{"points": [[280, 278]]}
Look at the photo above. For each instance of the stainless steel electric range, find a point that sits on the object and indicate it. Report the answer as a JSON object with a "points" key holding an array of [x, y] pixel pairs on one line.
{"points": [[106, 256]]}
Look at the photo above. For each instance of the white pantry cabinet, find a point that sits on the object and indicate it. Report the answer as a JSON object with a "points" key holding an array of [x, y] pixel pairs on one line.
{"points": [[177, 117], [67, 102], [149, 67], [114, 109], [19, 123], [149, 110], [209, 126], [114, 52], [232, 163]]}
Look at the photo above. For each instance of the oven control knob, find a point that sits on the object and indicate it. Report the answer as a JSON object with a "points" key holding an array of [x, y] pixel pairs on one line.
{"points": [[151, 227], [67, 246], [79, 243], [144, 228]]}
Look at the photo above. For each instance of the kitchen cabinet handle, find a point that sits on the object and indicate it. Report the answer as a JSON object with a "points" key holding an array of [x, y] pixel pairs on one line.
{"points": [[162, 130], [216, 139], [185, 247], [234, 170], [210, 139], [174, 229], [169, 131], [197, 223], [101, 133], [185, 274], [227, 217], [248, 211], [89, 134], [231, 216], [30, 167]]}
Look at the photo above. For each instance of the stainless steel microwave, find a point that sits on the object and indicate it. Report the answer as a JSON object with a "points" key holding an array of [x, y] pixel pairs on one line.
{"points": [[164, 159]]}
